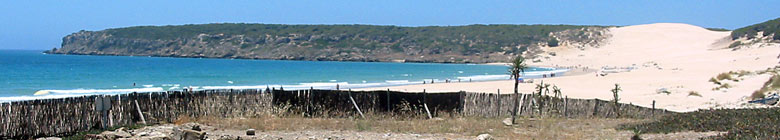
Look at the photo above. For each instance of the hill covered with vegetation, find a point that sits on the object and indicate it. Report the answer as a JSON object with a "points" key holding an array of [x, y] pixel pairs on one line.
{"points": [[451, 44], [769, 28]]}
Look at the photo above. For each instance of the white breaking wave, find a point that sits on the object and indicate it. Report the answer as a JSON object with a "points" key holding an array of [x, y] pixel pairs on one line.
{"points": [[78, 92], [105, 91], [484, 77], [540, 74], [48, 94]]}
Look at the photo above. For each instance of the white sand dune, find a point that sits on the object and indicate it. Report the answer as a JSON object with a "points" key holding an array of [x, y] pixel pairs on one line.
{"points": [[678, 57]]}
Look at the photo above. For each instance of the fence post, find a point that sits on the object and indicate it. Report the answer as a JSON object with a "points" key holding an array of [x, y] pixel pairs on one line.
{"points": [[355, 103], [566, 106], [652, 112], [461, 102], [139, 112], [498, 109], [8, 120], [388, 101], [595, 107], [425, 104], [309, 108]]}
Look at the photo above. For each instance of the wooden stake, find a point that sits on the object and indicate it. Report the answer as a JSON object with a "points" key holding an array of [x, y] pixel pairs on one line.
{"points": [[388, 101], [355, 103], [595, 107], [652, 112], [521, 98], [425, 104], [310, 107], [139, 111], [119, 102], [566, 106], [498, 109], [8, 123]]}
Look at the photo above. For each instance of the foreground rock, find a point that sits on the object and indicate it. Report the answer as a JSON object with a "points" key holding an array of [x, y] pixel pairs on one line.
{"points": [[507, 121], [485, 137]]}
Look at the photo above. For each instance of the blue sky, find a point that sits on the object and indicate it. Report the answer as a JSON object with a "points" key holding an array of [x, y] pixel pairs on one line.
{"points": [[39, 25]]}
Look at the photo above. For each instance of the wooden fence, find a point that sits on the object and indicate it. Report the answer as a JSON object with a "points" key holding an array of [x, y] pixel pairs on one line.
{"points": [[65, 116], [531, 105]]}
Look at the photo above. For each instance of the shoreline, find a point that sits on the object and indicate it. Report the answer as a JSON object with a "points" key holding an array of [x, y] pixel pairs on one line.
{"points": [[55, 94], [468, 86]]}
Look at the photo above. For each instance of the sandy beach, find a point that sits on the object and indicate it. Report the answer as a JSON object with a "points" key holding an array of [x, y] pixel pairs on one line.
{"points": [[662, 62]]}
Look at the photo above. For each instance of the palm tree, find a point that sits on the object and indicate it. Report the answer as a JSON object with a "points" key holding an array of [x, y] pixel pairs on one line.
{"points": [[516, 69]]}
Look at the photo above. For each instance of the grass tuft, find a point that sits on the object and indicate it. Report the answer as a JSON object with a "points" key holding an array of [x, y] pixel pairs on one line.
{"points": [[694, 93]]}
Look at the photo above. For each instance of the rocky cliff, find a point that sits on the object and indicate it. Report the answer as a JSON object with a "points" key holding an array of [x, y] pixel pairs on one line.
{"points": [[450, 44]]}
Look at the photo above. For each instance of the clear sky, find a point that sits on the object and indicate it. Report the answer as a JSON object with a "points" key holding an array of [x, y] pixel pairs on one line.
{"points": [[39, 25]]}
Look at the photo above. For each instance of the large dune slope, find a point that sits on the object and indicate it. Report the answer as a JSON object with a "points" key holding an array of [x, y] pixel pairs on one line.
{"points": [[678, 57]]}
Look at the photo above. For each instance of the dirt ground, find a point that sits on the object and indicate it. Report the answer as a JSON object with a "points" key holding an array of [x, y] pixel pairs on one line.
{"points": [[390, 128], [437, 128]]}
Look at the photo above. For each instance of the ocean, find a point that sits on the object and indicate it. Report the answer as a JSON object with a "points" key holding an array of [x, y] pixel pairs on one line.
{"points": [[23, 73]]}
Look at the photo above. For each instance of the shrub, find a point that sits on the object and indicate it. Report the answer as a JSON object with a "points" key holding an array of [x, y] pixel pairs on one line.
{"points": [[724, 76], [713, 80], [758, 94], [772, 84], [759, 123], [735, 44], [718, 29], [725, 85], [552, 42], [694, 93]]}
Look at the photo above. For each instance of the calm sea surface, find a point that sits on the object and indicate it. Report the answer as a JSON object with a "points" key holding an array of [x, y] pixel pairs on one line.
{"points": [[23, 73]]}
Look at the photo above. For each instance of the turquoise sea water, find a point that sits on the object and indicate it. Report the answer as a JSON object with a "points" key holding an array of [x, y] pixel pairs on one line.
{"points": [[23, 73]]}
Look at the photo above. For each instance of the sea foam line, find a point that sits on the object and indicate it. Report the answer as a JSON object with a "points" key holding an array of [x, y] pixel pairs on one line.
{"points": [[48, 94]]}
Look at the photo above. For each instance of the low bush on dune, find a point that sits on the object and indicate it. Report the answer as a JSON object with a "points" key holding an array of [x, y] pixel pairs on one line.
{"points": [[735, 44], [759, 123], [694, 93], [718, 29], [772, 84], [725, 76]]}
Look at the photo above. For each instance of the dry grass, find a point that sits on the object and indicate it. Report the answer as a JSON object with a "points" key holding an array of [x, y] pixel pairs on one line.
{"points": [[723, 86], [694, 93], [410, 119], [771, 85], [725, 76], [548, 128]]}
